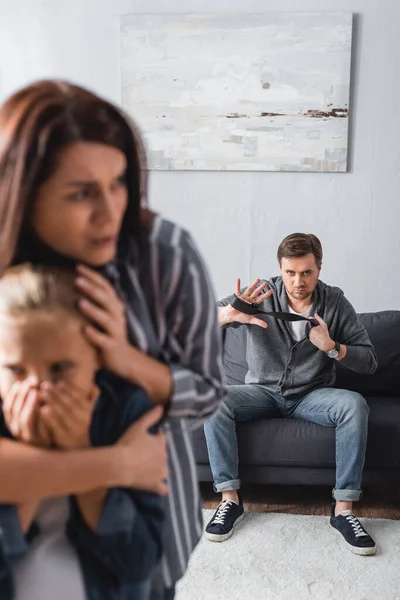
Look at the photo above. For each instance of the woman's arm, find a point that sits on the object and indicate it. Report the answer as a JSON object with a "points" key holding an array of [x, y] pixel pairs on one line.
{"points": [[29, 474], [192, 384], [150, 374], [194, 340]]}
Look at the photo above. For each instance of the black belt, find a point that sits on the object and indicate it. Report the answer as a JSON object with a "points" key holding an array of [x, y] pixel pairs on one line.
{"points": [[254, 309]]}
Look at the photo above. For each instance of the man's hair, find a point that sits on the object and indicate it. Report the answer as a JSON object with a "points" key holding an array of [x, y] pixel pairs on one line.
{"points": [[27, 288], [297, 245]]}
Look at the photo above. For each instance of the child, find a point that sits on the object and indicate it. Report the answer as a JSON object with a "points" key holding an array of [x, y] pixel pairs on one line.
{"points": [[103, 544]]}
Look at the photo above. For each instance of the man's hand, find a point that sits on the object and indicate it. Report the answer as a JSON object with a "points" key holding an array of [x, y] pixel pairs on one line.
{"points": [[254, 294], [320, 337]]}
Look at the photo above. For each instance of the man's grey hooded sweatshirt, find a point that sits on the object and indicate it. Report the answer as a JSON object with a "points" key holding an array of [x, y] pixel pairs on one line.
{"points": [[289, 368]]}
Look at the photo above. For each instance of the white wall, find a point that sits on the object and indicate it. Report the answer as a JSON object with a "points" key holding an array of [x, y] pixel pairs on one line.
{"points": [[238, 219]]}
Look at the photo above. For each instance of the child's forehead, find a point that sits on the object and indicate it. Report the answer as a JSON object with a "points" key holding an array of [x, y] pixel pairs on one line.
{"points": [[43, 339], [45, 315], [36, 323]]}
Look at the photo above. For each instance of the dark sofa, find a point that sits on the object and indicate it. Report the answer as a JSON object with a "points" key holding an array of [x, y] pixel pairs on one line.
{"points": [[286, 451]]}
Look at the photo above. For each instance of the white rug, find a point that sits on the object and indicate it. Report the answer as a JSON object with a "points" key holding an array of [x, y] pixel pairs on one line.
{"points": [[288, 557]]}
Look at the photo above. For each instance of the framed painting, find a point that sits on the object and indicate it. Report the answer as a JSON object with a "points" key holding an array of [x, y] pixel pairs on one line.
{"points": [[244, 92]]}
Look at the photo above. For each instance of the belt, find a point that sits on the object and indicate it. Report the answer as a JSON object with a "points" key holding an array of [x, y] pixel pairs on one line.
{"points": [[254, 309]]}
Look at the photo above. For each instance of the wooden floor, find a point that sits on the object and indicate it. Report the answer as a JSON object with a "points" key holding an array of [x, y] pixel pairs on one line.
{"points": [[383, 503]]}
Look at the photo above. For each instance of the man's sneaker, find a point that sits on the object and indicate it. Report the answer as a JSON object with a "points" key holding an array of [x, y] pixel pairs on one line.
{"points": [[220, 528], [358, 540]]}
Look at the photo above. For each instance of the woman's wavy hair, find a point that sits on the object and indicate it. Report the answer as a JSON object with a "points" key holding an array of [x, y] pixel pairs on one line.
{"points": [[36, 124]]}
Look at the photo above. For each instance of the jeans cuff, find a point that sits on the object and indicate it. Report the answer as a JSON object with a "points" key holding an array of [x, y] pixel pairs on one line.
{"points": [[347, 495], [227, 486]]}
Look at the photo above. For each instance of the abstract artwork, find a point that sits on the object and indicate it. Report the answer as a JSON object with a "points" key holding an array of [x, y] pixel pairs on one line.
{"points": [[241, 92]]}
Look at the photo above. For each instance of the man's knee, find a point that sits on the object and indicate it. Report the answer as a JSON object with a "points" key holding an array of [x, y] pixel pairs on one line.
{"points": [[226, 408], [232, 401], [353, 404]]}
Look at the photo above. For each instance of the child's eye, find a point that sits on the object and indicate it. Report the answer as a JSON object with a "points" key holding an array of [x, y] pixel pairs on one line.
{"points": [[16, 370], [61, 367]]}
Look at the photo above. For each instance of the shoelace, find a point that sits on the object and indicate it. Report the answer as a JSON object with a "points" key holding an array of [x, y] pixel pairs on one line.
{"points": [[222, 512], [356, 525]]}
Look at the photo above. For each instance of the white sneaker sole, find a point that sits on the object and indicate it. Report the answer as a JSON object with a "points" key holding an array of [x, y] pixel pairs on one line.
{"points": [[213, 537], [355, 549]]}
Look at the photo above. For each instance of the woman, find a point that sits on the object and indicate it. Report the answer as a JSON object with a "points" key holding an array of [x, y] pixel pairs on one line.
{"points": [[72, 182]]}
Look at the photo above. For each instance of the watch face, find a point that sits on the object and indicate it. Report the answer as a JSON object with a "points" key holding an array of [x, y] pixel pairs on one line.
{"points": [[333, 353]]}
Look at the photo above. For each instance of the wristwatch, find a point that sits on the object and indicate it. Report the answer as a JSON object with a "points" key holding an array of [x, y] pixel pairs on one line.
{"points": [[334, 353]]}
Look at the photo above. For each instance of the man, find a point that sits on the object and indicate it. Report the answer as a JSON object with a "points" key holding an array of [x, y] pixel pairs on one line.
{"points": [[291, 373]]}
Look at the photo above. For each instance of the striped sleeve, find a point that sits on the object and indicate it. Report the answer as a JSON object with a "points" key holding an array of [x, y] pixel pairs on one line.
{"points": [[195, 336]]}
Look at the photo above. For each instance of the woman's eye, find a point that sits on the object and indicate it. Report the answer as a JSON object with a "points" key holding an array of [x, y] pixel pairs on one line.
{"points": [[81, 195], [120, 182]]}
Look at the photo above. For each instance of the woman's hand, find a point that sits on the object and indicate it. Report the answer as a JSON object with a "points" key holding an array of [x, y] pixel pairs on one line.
{"points": [[146, 454], [21, 414], [102, 306], [67, 413]]}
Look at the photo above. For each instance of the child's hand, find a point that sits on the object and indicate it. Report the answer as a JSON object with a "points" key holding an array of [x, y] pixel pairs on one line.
{"points": [[21, 414], [67, 413]]}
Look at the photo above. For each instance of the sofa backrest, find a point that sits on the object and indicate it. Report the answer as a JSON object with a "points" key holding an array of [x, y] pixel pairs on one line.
{"points": [[384, 331]]}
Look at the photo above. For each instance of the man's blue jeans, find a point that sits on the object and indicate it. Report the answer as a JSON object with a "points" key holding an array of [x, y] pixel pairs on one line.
{"points": [[346, 411]]}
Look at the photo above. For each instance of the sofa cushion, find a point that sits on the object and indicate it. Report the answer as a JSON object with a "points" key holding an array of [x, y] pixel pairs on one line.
{"points": [[384, 331], [278, 442], [291, 442]]}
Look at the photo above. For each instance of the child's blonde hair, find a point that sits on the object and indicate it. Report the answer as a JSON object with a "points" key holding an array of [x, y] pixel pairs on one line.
{"points": [[28, 287]]}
